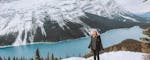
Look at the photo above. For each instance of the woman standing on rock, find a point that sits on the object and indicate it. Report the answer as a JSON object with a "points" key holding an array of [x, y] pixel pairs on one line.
{"points": [[95, 44]]}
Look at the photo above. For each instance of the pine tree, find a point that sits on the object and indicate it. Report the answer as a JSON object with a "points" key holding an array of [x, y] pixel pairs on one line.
{"points": [[56, 59], [24, 58], [31, 59], [37, 54], [47, 58], [80, 55], [0, 58], [17, 58], [53, 58], [60, 58], [5, 58], [8, 58], [14, 58]]}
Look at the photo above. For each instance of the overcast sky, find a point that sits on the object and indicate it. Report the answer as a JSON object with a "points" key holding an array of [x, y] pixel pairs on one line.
{"points": [[135, 6]]}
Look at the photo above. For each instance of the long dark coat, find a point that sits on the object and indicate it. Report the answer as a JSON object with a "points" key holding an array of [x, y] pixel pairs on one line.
{"points": [[96, 44]]}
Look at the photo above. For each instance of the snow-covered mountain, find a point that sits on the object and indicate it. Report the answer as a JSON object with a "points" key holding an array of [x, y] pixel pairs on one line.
{"points": [[145, 15], [23, 21]]}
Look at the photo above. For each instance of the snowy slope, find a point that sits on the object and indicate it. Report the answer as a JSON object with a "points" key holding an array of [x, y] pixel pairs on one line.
{"points": [[19, 14], [120, 55], [25, 16], [145, 15]]}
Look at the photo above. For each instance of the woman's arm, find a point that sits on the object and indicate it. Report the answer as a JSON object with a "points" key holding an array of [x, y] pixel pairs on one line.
{"points": [[100, 41], [90, 43]]}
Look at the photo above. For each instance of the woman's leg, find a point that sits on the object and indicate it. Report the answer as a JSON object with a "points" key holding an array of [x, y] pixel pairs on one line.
{"points": [[97, 54], [94, 53]]}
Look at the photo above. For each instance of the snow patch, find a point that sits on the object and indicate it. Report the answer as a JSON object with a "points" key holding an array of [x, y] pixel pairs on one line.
{"points": [[119, 55], [132, 19]]}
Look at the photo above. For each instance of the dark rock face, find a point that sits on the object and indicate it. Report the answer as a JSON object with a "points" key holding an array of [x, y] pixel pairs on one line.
{"points": [[7, 39], [55, 33]]}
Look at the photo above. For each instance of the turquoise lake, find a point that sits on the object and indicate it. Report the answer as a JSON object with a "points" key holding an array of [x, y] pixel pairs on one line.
{"points": [[62, 49], [72, 47]]}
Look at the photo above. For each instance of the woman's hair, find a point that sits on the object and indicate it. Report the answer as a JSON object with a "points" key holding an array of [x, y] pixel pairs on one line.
{"points": [[94, 30]]}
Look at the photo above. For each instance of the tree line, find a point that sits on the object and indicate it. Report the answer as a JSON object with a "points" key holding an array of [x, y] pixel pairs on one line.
{"points": [[37, 57]]}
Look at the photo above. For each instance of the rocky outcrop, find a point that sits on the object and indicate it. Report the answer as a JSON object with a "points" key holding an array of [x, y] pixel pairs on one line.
{"points": [[146, 32], [130, 45], [145, 47]]}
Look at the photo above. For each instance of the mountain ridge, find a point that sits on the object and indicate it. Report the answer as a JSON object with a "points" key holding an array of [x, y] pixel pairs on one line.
{"points": [[31, 21]]}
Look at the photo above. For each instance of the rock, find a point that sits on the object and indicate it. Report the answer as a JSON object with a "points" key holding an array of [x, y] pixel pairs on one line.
{"points": [[145, 47]]}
